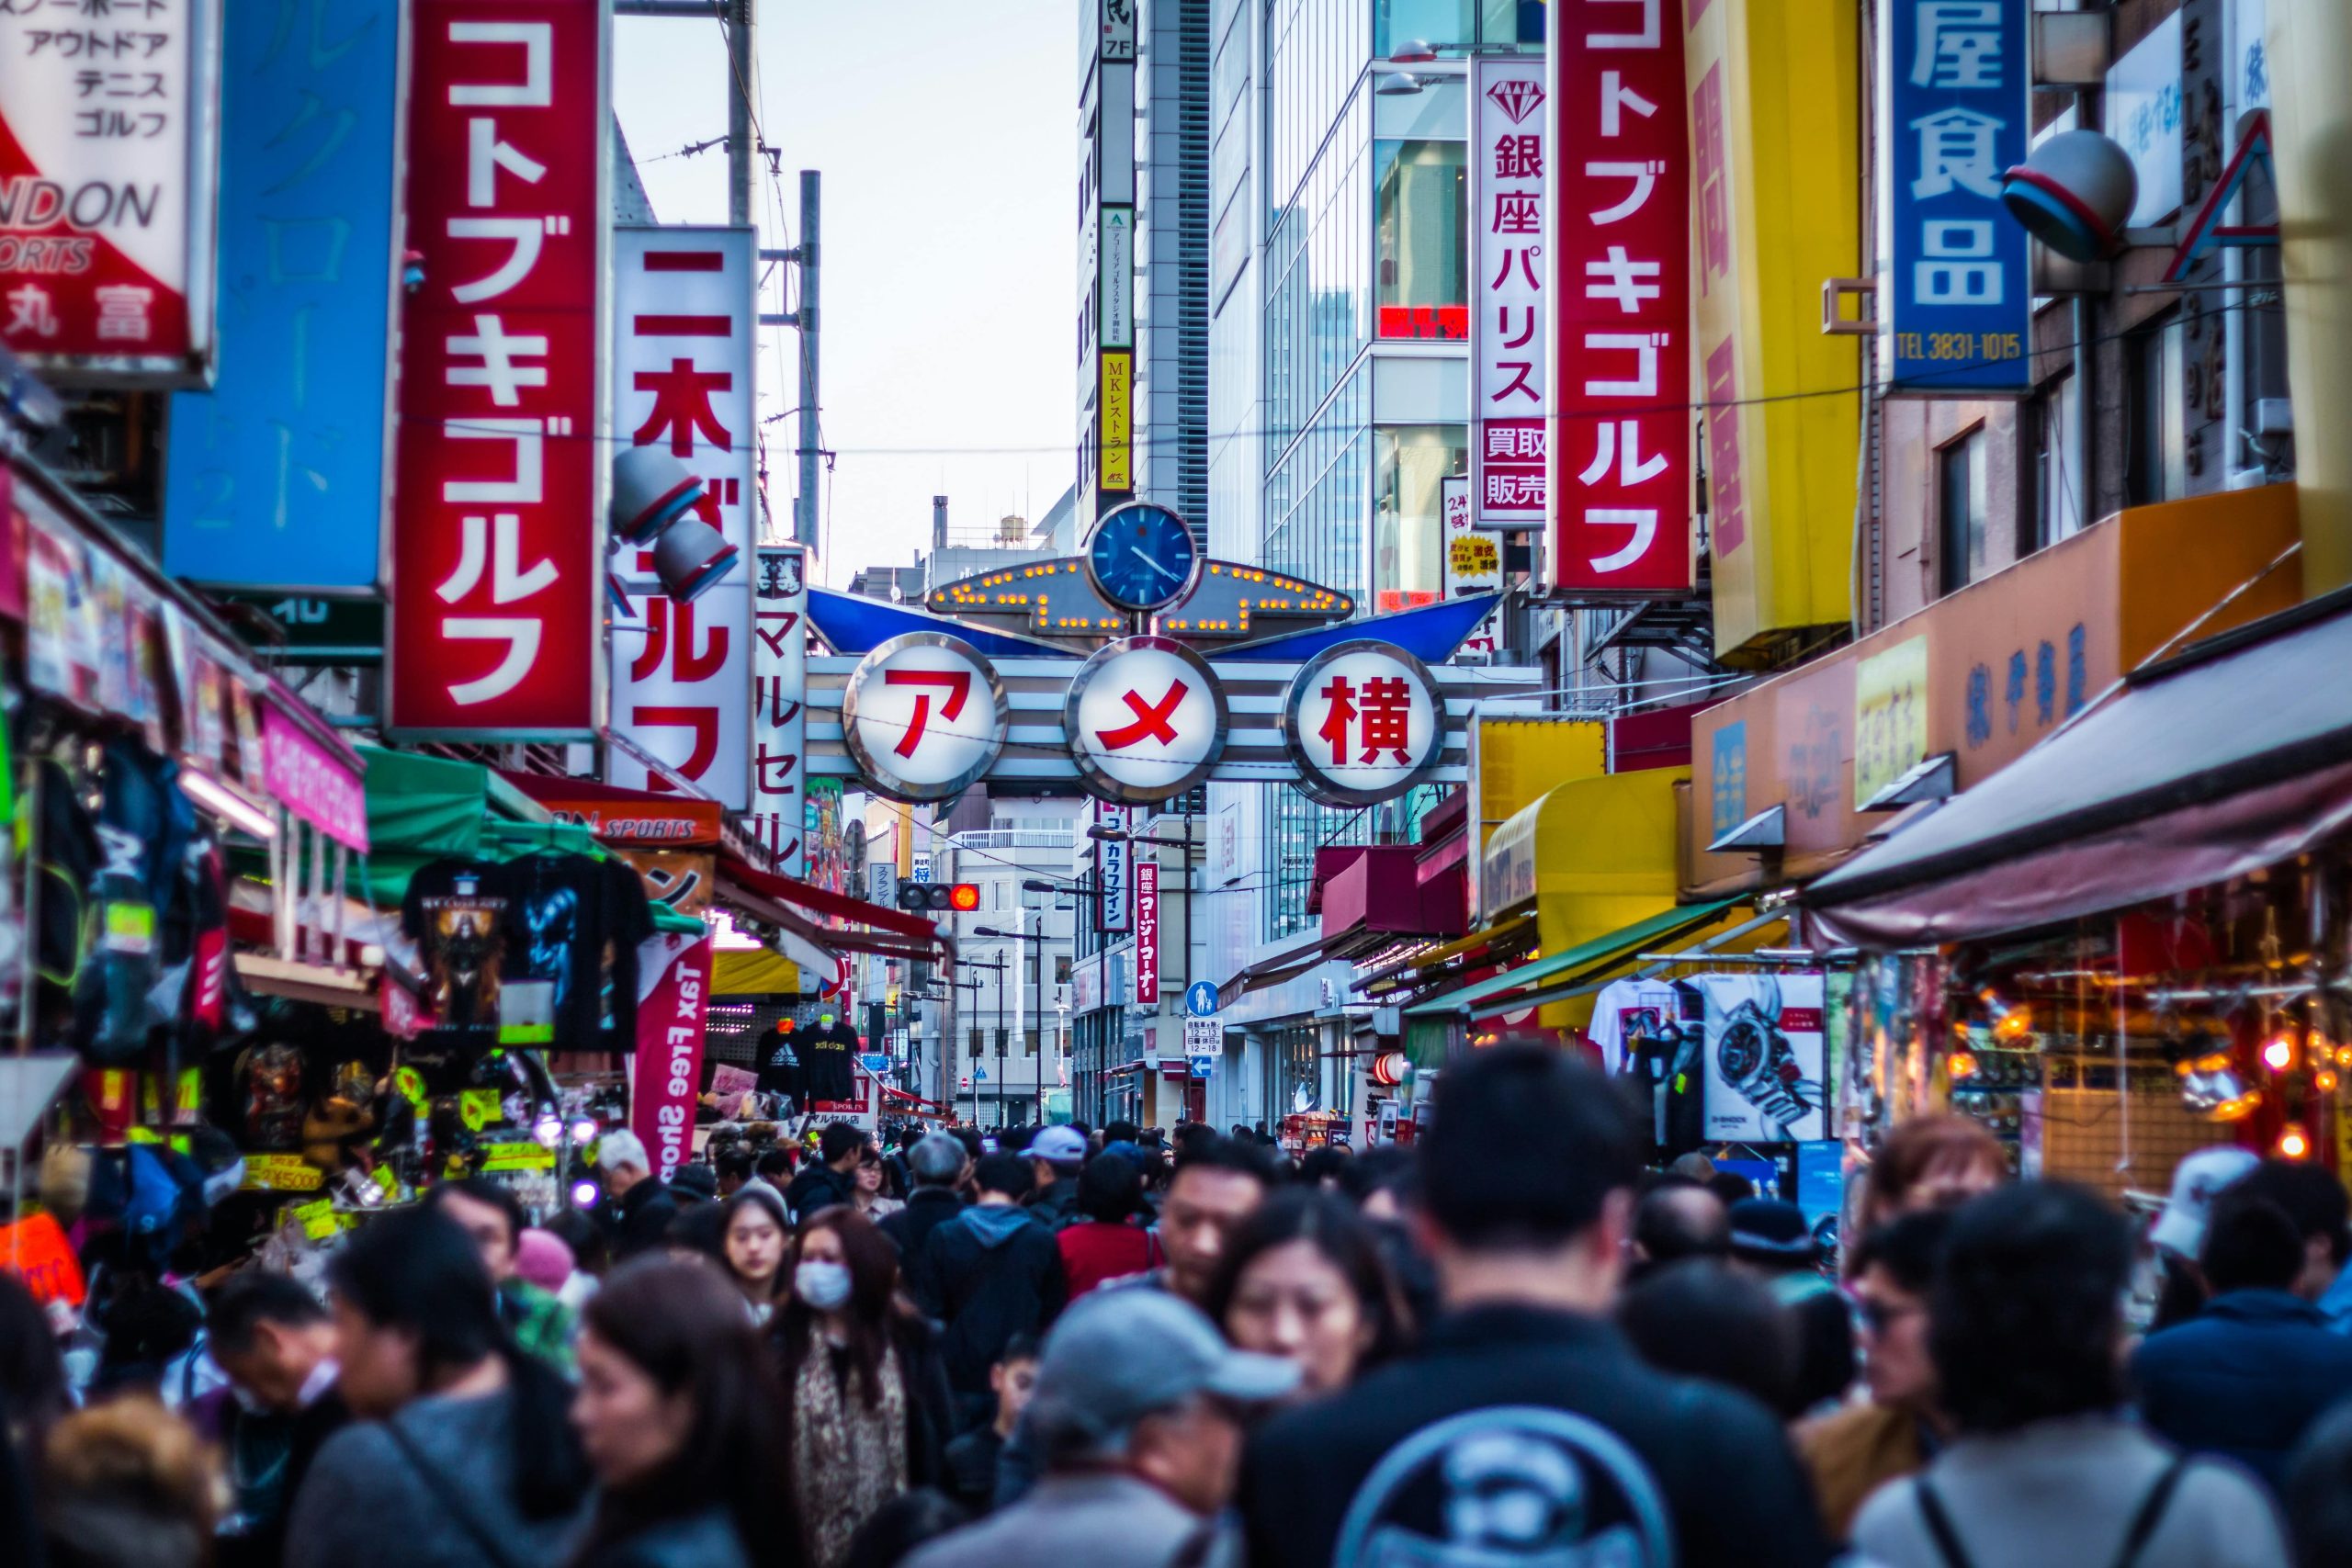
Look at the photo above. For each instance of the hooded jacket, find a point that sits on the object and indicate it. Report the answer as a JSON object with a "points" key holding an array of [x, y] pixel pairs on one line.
{"points": [[2244, 1379], [988, 1274]]}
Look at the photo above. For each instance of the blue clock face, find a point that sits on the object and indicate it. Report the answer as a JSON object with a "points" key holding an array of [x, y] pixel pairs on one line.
{"points": [[1141, 556]]}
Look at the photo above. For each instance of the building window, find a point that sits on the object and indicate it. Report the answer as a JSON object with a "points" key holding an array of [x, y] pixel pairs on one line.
{"points": [[1408, 510], [1960, 554], [2156, 466], [1441, 24], [2050, 429], [1424, 288], [1511, 23]]}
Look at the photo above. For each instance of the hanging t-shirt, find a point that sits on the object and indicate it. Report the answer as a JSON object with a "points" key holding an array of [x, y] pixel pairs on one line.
{"points": [[827, 1061], [1630, 1009], [1682, 1095], [779, 1064], [455, 912], [571, 944]]}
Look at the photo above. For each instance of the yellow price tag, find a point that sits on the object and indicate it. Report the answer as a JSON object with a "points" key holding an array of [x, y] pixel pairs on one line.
{"points": [[478, 1108], [317, 1218], [410, 1083], [280, 1173], [517, 1156]]}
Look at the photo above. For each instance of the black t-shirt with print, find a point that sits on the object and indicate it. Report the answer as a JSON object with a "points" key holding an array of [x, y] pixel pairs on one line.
{"points": [[572, 935], [455, 912], [828, 1052]]}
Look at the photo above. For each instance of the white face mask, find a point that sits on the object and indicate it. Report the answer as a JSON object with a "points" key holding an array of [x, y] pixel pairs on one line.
{"points": [[824, 1286]]}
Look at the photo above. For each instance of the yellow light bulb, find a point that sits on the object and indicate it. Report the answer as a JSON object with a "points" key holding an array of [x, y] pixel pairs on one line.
{"points": [[2292, 1144], [2279, 1055], [1960, 1065]]}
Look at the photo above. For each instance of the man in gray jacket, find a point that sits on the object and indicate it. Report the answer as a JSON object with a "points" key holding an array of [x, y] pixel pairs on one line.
{"points": [[1137, 1410]]}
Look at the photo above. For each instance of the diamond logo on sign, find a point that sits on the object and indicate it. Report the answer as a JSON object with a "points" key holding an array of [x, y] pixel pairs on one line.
{"points": [[924, 715], [1146, 719], [1517, 96], [1364, 721]]}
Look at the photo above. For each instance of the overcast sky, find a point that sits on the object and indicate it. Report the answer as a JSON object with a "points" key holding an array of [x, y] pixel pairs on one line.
{"points": [[946, 132]]}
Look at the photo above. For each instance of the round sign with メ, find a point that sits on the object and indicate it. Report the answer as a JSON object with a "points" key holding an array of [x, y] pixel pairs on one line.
{"points": [[1364, 721], [924, 715], [1146, 719]]}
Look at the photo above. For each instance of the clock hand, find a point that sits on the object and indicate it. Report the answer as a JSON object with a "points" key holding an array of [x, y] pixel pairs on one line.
{"points": [[1155, 566]]}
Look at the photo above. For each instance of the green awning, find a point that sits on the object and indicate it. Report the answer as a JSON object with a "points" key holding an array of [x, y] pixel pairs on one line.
{"points": [[1597, 954]]}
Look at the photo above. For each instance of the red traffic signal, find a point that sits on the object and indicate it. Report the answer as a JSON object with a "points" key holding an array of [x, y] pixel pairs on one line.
{"points": [[961, 897], [964, 896]]}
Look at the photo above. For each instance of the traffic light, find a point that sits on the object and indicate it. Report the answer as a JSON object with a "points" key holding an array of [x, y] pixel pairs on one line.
{"points": [[937, 898]]}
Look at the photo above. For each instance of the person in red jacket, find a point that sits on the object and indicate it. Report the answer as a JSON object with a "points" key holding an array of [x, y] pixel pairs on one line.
{"points": [[1107, 1242]]}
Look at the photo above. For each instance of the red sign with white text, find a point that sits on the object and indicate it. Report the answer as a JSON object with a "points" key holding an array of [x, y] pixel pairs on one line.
{"points": [[674, 990], [1619, 280], [497, 590], [1148, 934]]}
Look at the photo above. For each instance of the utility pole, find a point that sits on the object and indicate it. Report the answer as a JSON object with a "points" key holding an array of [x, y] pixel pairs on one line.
{"points": [[806, 257], [741, 18]]}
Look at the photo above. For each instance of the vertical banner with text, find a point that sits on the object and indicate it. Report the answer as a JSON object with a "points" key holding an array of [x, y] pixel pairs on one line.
{"points": [[779, 688], [1955, 115], [498, 509], [1618, 271], [673, 996], [682, 381], [107, 160], [1148, 934], [1510, 328], [1114, 871]]}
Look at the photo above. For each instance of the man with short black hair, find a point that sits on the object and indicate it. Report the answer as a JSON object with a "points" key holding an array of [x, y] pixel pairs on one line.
{"points": [[733, 1166], [937, 1163], [275, 1342], [989, 1273], [831, 1178], [2316, 1202], [1525, 1428], [1679, 1218], [488, 1210]]}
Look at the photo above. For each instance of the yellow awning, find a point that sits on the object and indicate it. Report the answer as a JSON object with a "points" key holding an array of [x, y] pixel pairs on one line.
{"points": [[741, 974]]}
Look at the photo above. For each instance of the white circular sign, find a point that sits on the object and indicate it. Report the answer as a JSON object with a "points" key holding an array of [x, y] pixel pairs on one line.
{"points": [[1364, 721], [924, 715], [1146, 719]]}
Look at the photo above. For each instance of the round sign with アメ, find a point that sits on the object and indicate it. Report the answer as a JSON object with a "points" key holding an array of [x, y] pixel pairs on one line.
{"points": [[1146, 719], [924, 715], [1364, 721]]}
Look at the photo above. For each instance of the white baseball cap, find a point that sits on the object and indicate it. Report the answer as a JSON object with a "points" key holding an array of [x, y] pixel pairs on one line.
{"points": [[2196, 1182]]}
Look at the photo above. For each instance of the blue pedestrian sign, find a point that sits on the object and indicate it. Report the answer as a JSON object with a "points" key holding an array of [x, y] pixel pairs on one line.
{"points": [[1200, 1000], [981, 1074]]}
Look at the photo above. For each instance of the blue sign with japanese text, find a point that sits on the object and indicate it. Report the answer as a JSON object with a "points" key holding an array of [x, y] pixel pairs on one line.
{"points": [[1956, 301], [276, 477]]}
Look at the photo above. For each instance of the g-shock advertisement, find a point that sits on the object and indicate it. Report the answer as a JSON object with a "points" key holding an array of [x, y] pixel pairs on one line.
{"points": [[1764, 1057]]}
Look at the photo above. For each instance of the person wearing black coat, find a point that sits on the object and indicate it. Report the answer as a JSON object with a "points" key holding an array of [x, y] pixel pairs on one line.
{"points": [[832, 1177], [937, 1163], [992, 1272], [642, 1207]]}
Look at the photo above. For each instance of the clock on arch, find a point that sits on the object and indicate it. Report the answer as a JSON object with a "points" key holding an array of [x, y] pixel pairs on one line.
{"points": [[1141, 556]]}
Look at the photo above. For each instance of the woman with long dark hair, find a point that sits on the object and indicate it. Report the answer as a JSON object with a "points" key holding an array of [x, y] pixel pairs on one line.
{"points": [[681, 1418], [868, 1394], [463, 1454], [754, 1236], [1303, 1278]]}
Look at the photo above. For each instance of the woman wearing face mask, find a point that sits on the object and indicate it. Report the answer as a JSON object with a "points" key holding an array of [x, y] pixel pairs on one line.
{"points": [[868, 1394], [755, 1235], [681, 1418], [461, 1454], [1303, 1279]]}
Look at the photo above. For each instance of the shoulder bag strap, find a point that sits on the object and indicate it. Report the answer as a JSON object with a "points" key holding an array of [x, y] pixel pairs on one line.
{"points": [[2151, 1513], [447, 1496], [1946, 1539]]}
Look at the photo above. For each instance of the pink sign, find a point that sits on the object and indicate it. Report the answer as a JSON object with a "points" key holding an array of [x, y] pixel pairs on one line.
{"points": [[1619, 460], [1148, 934], [1510, 329], [312, 782], [674, 988]]}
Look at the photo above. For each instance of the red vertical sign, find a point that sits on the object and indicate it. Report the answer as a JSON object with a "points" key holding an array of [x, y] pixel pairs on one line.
{"points": [[1619, 262], [497, 589], [1148, 934], [673, 994]]}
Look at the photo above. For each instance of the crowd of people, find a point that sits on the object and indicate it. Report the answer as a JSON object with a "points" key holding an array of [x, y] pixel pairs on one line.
{"points": [[1510, 1344]]}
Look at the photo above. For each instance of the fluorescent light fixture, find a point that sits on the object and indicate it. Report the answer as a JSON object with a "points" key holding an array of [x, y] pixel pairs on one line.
{"points": [[728, 937], [227, 804]]}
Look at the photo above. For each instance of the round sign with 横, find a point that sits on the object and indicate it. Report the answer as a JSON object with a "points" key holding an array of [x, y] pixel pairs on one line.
{"points": [[1146, 719], [1364, 721], [924, 715]]}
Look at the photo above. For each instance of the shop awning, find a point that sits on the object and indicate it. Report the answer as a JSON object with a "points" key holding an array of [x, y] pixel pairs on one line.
{"points": [[786, 902], [760, 973], [1486, 994], [1283, 964], [1744, 937], [2232, 756], [1506, 939]]}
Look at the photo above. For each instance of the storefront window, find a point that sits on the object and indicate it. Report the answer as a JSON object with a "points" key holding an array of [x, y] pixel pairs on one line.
{"points": [[1507, 24], [1408, 510], [1423, 212], [1439, 24]]}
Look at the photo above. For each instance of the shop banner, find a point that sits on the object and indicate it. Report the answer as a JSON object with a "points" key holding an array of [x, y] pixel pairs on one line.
{"points": [[1113, 868], [275, 477], [1510, 328], [779, 720], [672, 823], [1955, 114], [682, 303], [1473, 563], [1148, 934], [672, 992], [1764, 1057], [107, 161], [680, 880], [1618, 275], [499, 520], [312, 782]]}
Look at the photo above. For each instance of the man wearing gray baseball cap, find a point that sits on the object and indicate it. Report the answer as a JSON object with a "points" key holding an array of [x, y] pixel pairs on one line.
{"points": [[1138, 1414]]}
